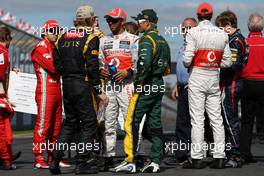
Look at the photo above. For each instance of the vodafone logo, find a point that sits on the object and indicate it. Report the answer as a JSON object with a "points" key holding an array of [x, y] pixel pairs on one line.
{"points": [[211, 56], [115, 62]]}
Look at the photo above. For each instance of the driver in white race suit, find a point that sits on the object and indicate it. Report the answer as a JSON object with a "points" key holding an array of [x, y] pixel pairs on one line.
{"points": [[207, 50], [117, 69]]}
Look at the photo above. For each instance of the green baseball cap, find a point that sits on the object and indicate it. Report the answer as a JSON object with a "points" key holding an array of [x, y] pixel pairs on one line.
{"points": [[148, 14]]}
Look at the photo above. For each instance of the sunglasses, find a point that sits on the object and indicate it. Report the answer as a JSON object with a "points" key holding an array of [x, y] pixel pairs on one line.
{"points": [[141, 21], [112, 20]]}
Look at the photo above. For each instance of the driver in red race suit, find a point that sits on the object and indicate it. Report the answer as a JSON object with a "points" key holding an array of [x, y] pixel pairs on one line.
{"points": [[48, 96], [6, 110]]}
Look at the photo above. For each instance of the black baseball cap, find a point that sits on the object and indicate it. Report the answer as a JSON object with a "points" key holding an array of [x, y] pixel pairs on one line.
{"points": [[148, 14]]}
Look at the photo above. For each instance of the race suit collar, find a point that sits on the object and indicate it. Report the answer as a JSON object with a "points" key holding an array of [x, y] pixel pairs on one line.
{"points": [[118, 35], [82, 28], [232, 36], [255, 34], [48, 43], [204, 22], [152, 30], [3, 47]]}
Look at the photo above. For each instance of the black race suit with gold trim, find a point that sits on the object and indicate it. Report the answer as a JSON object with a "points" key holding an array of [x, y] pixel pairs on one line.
{"points": [[76, 58]]}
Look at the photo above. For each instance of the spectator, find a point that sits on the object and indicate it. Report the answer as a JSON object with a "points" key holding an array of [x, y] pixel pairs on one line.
{"points": [[180, 93], [260, 127], [252, 102]]}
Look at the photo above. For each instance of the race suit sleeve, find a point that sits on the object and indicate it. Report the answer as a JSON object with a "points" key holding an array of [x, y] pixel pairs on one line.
{"points": [[42, 57], [92, 62], [4, 71], [239, 54], [134, 53], [101, 54], [179, 60], [57, 61], [189, 51], [226, 61], [144, 60], [2, 90], [6, 79], [168, 68]]}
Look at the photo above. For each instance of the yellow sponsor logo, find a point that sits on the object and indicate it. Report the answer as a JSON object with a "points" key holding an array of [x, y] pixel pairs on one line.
{"points": [[234, 57], [94, 52]]}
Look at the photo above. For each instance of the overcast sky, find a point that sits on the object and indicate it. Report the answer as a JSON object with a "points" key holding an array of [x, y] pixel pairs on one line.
{"points": [[170, 12]]}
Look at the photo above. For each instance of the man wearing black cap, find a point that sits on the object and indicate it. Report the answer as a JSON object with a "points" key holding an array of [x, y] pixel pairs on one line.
{"points": [[153, 63]]}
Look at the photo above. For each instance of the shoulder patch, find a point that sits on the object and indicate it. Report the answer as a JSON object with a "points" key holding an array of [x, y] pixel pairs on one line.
{"points": [[73, 34], [47, 56], [124, 44], [90, 37], [133, 46], [42, 43]]}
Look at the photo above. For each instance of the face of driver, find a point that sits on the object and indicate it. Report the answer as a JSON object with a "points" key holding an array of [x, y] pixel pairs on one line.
{"points": [[143, 25], [115, 24], [52, 34]]}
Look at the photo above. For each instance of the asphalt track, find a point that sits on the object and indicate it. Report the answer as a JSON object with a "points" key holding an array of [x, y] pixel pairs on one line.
{"points": [[25, 164]]}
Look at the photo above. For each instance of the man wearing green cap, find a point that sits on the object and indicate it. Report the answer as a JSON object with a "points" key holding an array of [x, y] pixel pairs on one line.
{"points": [[153, 63]]}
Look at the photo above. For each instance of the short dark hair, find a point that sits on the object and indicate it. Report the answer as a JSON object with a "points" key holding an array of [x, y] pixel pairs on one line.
{"points": [[131, 25], [226, 18], [204, 17], [5, 34]]}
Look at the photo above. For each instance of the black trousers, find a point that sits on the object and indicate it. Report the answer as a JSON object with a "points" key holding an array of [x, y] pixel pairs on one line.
{"points": [[80, 118], [183, 125], [232, 95], [252, 103], [260, 123]]}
